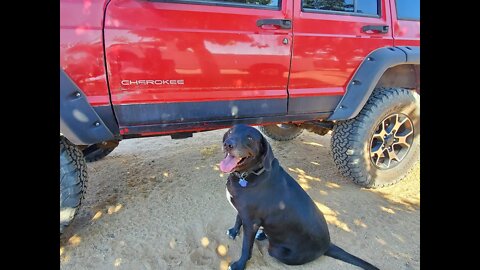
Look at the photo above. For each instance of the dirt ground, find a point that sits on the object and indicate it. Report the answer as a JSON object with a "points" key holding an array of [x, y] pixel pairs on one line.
{"points": [[157, 203]]}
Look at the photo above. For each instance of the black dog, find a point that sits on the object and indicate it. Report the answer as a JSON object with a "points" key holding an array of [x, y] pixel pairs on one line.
{"points": [[264, 195]]}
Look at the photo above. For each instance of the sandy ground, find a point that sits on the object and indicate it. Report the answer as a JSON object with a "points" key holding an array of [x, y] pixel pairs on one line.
{"points": [[157, 203]]}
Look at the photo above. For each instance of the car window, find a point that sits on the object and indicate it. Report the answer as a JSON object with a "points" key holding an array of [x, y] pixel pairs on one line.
{"points": [[368, 7], [408, 9]]}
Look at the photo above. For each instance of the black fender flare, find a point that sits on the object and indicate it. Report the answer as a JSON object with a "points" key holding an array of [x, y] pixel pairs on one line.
{"points": [[79, 122], [367, 76]]}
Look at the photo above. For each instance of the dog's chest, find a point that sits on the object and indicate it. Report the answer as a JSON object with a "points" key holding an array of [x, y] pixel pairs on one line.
{"points": [[230, 198]]}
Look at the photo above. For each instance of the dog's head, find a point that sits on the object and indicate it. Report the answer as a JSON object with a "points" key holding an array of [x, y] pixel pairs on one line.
{"points": [[245, 149]]}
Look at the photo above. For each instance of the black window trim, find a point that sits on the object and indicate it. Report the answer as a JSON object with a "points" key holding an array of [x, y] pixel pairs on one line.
{"points": [[334, 12], [223, 4], [405, 18], [408, 19]]}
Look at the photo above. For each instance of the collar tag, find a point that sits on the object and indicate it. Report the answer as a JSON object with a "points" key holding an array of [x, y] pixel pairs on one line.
{"points": [[242, 182]]}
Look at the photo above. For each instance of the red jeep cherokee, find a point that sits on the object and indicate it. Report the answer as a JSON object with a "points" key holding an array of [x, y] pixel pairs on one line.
{"points": [[136, 68]]}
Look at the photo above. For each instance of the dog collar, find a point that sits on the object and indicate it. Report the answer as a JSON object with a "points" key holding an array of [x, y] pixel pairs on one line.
{"points": [[242, 176]]}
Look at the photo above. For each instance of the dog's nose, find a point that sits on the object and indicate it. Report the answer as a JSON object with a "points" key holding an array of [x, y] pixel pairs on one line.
{"points": [[229, 144]]}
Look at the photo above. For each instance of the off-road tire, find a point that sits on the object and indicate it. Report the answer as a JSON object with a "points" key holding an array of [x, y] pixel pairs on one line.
{"points": [[286, 133], [73, 179], [351, 141]]}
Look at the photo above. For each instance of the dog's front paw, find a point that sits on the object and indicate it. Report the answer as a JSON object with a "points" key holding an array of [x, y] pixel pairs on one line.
{"points": [[232, 233], [237, 266]]}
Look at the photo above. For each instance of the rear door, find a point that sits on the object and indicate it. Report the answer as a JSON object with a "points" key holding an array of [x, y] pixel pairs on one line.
{"points": [[331, 39], [175, 61], [406, 22]]}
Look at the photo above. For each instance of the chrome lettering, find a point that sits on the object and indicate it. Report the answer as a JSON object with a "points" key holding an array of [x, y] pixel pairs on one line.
{"points": [[151, 82]]}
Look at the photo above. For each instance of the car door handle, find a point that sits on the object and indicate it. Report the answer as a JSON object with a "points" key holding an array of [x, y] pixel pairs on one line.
{"points": [[375, 28], [284, 24]]}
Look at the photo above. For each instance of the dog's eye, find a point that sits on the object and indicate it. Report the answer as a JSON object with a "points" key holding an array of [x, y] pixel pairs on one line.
{"points": [[250, 138]]}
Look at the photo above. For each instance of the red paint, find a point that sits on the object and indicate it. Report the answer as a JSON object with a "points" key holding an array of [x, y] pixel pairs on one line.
{"points": [[306, 92], [153, 96], [219, 52], [328, 48], [81, 48]]}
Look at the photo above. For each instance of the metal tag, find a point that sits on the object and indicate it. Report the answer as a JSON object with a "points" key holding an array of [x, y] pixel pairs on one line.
{"points": [[243, 182]]}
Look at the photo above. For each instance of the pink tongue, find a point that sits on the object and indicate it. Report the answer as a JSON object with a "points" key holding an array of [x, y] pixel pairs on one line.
{"points": [[228, 163]]}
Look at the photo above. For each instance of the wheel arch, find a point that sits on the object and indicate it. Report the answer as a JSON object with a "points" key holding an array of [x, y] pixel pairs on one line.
{"points": [[80, 123], [384, 67]]}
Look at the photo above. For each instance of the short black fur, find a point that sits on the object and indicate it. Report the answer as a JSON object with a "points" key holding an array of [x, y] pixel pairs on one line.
{"points": [[296, 229]]}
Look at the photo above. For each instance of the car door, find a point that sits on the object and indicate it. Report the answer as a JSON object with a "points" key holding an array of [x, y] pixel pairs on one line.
{"points": [[173, 61], [331, 39]]}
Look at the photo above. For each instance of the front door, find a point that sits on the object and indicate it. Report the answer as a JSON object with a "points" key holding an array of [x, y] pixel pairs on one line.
{"points": [[195, 60]]}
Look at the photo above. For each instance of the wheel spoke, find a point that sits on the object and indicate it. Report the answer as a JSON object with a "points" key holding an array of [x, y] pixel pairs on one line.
{"points": [[387, 162], [384, 128], [380, 152], [392, 155], [398, 123], [381, 134], [402, 139], [377, 162]]}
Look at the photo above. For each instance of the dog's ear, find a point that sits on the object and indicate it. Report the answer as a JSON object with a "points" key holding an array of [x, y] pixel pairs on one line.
{"points": [[267, 157], [225, 135]]}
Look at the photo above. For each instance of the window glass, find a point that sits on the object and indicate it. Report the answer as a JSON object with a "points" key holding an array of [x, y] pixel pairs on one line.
{"points": [[369, 7], [408, 9]]}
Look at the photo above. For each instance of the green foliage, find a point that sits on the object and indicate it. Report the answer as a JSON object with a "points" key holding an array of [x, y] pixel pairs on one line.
{"points": [[336, 5]]}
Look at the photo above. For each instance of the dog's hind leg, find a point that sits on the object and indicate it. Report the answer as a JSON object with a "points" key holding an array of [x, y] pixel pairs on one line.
{"points": [[289, 256], [281, 253]]}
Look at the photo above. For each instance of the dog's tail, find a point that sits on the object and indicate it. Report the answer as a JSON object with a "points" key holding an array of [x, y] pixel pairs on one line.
{"points": [[340, 254]]}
